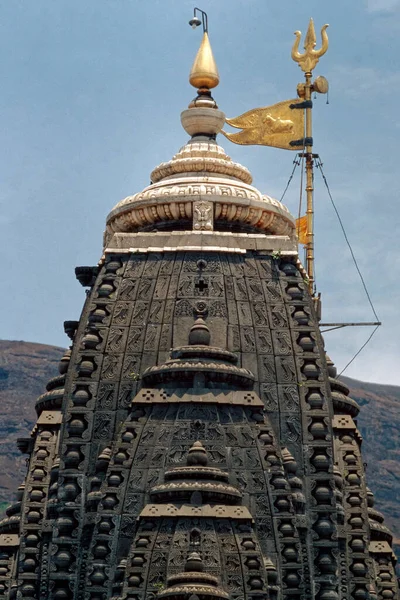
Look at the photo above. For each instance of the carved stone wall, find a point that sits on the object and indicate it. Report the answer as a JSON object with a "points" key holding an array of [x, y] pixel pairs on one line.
{"points": [[278, 509]]}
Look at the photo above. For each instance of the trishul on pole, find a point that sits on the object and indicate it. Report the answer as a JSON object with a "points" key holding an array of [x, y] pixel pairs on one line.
{"points": [[307, 62], [288, 125]]}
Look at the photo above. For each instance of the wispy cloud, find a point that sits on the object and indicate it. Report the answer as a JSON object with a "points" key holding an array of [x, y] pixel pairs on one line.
{"points": [[383, 5], [357, 81]]}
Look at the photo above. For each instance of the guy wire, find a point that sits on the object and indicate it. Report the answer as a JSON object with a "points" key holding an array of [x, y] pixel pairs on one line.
{"points": [[318, 164], [296, 163]]}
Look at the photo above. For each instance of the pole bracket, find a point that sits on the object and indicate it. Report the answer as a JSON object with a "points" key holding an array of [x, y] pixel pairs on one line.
{"points": [[305, 104], [308, 141]]}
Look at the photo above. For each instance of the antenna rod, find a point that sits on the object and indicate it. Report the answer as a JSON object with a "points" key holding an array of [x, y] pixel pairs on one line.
{"points": [[362, 324], [333, 326]]}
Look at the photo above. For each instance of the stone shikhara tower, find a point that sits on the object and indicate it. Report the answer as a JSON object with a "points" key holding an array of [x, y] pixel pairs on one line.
{"points": [[196, 444]]}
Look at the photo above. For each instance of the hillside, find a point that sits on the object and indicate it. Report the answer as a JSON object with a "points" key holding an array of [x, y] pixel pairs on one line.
{"points": [[26, 367]]}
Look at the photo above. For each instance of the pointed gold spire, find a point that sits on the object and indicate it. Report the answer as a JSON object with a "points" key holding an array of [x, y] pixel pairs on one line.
{"points": [[310, 40], [204, 73]]}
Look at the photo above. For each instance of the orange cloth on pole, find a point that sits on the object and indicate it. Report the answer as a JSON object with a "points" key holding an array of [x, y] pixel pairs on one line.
{"points": [[301, 229]]}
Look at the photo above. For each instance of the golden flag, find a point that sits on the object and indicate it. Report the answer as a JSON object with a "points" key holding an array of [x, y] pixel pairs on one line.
{"points": [[301, 229], [280, 125]]}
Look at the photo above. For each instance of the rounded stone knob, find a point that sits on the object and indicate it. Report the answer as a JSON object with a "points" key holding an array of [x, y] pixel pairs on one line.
{"points": [[197, 455], [194, 562], [197, 121], [199, 334]]}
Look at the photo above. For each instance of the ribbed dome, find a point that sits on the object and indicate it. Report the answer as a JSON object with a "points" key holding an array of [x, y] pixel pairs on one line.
{"points": [[201, 172]]}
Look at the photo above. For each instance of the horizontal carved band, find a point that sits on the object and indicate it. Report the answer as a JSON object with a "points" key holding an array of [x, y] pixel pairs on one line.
{"points": [[201, 157], [192, 396], [206, 511]]}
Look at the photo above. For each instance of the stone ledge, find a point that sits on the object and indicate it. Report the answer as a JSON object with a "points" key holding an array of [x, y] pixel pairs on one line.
{"points": [[380, 547], [206, 241], [343, 422], [9, 539]]}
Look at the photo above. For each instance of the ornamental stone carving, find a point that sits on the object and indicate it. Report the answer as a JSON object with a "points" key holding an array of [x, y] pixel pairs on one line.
{"points": [[203, 216]]}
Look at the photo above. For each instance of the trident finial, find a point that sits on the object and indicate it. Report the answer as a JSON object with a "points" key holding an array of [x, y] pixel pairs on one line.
{"points": [[309, 59]]}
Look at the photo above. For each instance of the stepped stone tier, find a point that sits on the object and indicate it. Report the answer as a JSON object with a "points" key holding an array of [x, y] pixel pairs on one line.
{"points": [[196, 444]]}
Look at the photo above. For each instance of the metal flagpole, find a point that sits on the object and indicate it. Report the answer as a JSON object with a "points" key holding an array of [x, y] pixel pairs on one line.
{"points": [[307, 62]]}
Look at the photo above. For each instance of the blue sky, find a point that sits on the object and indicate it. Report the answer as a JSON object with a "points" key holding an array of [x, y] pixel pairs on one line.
{"points": [[91, 92]]}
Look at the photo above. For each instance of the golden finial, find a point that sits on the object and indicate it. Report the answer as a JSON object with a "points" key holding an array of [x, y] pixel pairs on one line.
{"points": [[198, 119], [309, 59], [204, 72]]}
